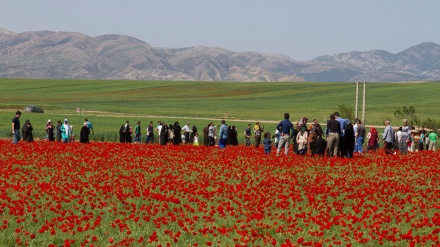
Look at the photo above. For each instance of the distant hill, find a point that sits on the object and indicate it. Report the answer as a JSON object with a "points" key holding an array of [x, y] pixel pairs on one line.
{"points": [[47, 54]]}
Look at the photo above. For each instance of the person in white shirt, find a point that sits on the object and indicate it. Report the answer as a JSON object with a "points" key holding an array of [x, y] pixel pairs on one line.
{"points": [[186, 130], [158, 129]]}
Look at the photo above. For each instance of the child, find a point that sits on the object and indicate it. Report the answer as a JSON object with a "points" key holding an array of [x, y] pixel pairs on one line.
{"points": [[267, 143], [196, 139]]}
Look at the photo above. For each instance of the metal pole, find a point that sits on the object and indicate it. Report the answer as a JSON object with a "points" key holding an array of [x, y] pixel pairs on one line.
{"points": [[363, 105], [357, 98]]}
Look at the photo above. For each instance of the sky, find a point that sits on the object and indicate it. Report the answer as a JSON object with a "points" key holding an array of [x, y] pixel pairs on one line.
{"points": [[302, 30]]}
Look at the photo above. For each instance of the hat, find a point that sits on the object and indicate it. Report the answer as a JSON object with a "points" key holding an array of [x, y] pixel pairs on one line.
{"points": [[65, 120], [49, 121]]}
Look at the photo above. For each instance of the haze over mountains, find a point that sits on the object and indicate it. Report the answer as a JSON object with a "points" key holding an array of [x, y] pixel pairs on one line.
{"points": [[47, 54]]}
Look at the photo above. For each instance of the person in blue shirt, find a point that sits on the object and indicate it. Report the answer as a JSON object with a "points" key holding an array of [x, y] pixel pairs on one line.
{"points": [[284, 127], [388, 138], [90, 126], [343, 125], [223, 134]]}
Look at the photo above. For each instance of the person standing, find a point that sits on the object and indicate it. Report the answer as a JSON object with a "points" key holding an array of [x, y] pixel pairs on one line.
{"points": [[360, 137], [302, 139], [223, 135], [137, 132], [373, 139], [397, 138], [196, 139], [423, 135], [193, 133], [388, 137], [432, 140], [427, 141], [150, 133], [257, 133], [206, 135], [247, 135], [171, 136], [267, 143], [164, 134], [186, 130], [349, 138], [415, 137], [233, 134], [159, 131], [84, 134], [16, 127], [46, 137], [316, 126], [58, 130], [284, 127], [177, 133], [65, 131], [50, 131], [27, 131], [211, 134], [122, 134], [276, 138], [406, 131], [127, 132], [333, 131], [90, 126], [342, 144]]}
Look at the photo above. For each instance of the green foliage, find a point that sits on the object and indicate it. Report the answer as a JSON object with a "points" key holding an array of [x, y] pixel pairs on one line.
{"points": [[408, 113], [346, 111], [431, 124]]}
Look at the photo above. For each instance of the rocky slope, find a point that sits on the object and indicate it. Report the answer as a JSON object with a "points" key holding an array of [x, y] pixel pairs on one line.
{"points": [[47, 54]]}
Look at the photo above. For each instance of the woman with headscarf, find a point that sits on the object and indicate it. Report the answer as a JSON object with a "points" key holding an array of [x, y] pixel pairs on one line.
{"points": [[302, 122], [177, 132], [233, 135], [50, 131], [373, 139], [84, 134], [58, 130], [164, 134], [66, 131], [26, 130], [301, 139], [192, 134], [122, 134], [349, 138]]}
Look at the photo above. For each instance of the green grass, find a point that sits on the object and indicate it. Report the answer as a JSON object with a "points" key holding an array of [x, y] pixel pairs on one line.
{"points": [[174, 101]]}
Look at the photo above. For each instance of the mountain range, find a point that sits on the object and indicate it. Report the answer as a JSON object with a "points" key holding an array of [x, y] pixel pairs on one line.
{"points": [[71, 55]]}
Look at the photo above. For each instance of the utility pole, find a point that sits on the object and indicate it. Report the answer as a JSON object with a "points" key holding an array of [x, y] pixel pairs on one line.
{"points": [[363, 105], [357, 99], [363, 100]]}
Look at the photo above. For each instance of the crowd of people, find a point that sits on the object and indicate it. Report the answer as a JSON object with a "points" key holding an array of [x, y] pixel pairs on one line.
{"points": [[338, 138], [62, 132], [344, 139]]}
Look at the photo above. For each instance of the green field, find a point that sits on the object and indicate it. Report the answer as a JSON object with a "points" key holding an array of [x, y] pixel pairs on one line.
{"points": [[108, 104]]}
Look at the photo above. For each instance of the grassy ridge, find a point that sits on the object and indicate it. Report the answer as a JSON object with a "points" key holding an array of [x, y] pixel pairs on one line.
{"points": [[182, 100]]}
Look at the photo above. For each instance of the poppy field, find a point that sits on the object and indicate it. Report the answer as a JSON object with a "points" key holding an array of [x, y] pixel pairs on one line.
{"points": [[112, 194]]}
